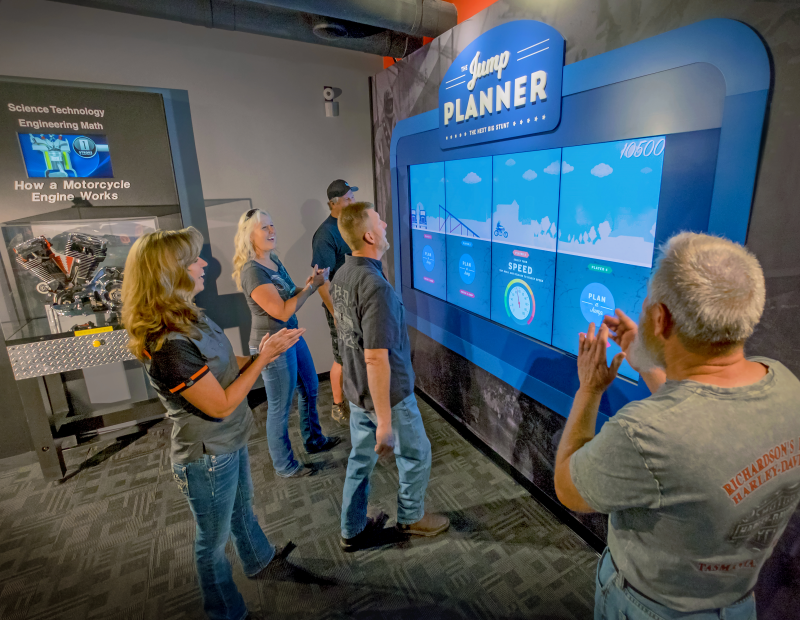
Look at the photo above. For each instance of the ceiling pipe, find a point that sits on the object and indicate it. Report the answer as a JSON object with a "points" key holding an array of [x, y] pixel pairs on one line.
{"points": [[267, 20], [426, 18]]}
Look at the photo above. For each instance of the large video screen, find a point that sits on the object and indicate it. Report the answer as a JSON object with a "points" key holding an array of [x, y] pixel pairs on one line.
{"points": [[542, 242], [65, 156]]}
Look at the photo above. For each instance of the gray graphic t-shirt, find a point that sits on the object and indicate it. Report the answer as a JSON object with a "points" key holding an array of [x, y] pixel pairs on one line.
{"points": [[254, 275], [699, 483]]}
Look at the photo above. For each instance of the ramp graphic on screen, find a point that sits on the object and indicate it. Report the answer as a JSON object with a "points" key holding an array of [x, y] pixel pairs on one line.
{"points": [[453, 225]]}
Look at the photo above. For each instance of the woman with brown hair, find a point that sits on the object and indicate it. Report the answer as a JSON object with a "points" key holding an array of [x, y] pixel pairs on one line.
{"points": [[203, 386]]}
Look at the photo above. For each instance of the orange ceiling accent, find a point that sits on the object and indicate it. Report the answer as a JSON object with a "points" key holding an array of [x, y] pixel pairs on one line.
{"points": [[466, 9]]}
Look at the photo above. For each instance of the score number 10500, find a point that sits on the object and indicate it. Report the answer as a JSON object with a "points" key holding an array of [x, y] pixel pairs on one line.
{"points": [[642, 148]]}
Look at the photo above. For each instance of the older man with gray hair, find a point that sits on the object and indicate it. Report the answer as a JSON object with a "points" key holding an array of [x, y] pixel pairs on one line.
{"points": [[701, 478]]}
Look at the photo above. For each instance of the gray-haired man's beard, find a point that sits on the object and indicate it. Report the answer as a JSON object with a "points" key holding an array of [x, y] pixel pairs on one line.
{"points": [[644, 355]]}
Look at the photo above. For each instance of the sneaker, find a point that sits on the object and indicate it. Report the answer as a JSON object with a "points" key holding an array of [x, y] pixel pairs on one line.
{"points": [[303, 471], [340, 413], [429, 525], [281, 553], [370, 536], [330, 442]]}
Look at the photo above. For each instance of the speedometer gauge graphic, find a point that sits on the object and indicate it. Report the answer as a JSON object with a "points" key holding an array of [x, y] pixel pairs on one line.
{"points": [[520, 303]]}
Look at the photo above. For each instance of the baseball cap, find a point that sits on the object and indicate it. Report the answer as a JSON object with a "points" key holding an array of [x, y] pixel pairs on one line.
{"points": [[339, 188]]}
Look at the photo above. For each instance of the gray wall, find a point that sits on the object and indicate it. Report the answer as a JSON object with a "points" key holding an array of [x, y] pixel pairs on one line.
{"points": [[258, 117], [519, 429]]}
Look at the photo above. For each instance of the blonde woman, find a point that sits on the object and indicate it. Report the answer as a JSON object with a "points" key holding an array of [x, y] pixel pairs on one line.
{"points": [[203, 386], [273, 300]]}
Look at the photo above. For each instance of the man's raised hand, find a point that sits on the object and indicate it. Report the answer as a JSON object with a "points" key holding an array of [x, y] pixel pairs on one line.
{"points": [[622, 329], [593, 371]]}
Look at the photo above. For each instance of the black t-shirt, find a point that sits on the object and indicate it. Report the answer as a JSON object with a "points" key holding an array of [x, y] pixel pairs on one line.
{"points": [[370, 315], [329, 249], [181, 362]]}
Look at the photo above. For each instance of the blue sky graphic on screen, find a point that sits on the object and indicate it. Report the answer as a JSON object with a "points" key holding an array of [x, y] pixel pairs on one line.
{"points": [[468, 224], [606, 231], [427, 228], [65, 155], [609, 200], [524, 230]]}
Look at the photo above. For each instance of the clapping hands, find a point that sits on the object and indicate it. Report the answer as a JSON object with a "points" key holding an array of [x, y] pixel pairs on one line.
{"points": [[318, 277]]}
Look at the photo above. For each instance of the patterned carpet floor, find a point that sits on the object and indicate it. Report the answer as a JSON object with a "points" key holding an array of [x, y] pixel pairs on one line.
{"points": [[114, 540]]}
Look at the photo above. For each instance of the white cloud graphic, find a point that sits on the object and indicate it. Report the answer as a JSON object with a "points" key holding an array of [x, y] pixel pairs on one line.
{"points": [[604, 229], [510, 162], [552, 168], [529, 175], [565, 167], [647, 170], [653, 231], [472, 178], [602, 170]]}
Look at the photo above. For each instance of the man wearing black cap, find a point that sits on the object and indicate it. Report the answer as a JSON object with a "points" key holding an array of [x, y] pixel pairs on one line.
{"points": [[329, 250]]}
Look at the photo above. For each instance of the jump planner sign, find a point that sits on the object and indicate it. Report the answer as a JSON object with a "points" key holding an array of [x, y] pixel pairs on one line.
{"points": [[505, 84]]}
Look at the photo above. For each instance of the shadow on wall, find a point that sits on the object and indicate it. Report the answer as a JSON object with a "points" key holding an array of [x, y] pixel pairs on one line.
{"points": [[223, 303], [312, 214]]}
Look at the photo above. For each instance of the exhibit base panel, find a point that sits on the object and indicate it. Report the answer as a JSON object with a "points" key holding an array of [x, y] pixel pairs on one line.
{"points": [[514, 427]]}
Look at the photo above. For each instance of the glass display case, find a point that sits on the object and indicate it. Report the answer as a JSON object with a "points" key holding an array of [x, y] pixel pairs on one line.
{"points": [[60, 310], [63, 274]]}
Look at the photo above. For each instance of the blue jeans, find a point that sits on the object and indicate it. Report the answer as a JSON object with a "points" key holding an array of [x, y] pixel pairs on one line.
{"points": [[293, 369], [220, 494], [413, 456], [614, 600]]}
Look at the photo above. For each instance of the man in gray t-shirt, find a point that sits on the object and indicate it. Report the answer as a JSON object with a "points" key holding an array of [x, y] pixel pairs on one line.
{"points": [[701, 478]]}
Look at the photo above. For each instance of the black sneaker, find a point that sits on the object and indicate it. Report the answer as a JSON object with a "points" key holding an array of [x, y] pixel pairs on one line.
{"points": [[330, 442], [303, 471], [281, 553], [373, 535]]}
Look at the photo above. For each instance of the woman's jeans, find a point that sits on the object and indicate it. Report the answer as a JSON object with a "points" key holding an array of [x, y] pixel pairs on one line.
{"points": [[220, 494], [615, 600], [413, 457], [294, 368]]}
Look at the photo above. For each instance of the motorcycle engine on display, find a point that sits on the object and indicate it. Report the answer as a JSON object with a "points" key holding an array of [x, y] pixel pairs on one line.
{"points": [[74, 280]]}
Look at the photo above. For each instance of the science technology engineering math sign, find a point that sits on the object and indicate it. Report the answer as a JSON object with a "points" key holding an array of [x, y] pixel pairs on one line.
{"points": [[505, 84]]}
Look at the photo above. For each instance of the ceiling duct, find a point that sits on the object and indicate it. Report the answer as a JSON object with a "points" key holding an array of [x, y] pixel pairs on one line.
{"points": [[288, 22], [419, 18]]}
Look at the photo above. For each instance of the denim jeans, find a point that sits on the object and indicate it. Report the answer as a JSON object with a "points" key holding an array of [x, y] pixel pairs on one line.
{"points": [[413, 456], [614, 600], [220, 494], [293, 369]]}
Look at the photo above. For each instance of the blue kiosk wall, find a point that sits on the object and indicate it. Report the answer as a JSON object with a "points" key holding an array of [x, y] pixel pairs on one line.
{"points": [[519, 415]]}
